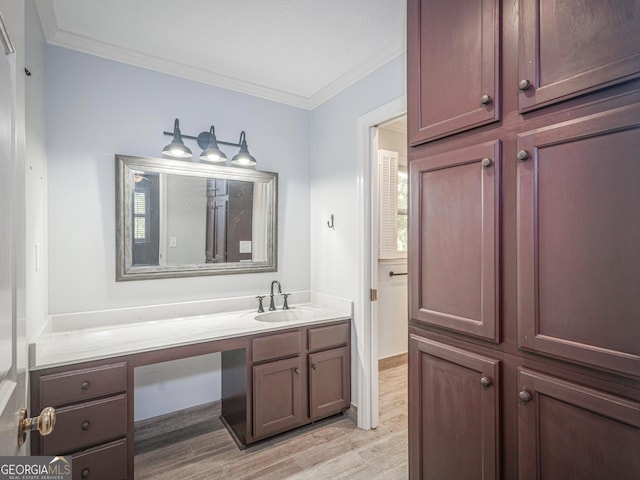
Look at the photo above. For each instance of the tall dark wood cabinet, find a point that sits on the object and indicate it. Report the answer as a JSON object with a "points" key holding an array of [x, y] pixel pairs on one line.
{"points": [[524, 250]]}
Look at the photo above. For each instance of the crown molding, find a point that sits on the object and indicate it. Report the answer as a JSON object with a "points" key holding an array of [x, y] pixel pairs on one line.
{"points": [[150, 62], [61, 38], [358, 72]]}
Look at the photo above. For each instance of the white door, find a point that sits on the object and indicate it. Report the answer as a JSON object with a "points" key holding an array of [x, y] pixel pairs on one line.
{"points": [[12, 329]]}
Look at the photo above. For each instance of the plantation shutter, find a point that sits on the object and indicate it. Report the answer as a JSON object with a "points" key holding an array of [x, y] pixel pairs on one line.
{"points": [[388, 203]]}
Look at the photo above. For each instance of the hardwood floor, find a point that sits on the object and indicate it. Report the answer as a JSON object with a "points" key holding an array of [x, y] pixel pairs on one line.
{"points": [[332, 449]]}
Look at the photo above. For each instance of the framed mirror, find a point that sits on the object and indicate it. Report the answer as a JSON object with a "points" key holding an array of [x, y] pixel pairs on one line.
{"points": [[182, 219]]}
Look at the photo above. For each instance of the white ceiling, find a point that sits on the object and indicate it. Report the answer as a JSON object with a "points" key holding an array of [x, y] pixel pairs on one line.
{"points": [[298, 52]]}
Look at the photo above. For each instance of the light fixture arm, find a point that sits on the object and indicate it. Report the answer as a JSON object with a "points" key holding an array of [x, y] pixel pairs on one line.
{"points": [[203, 139], [208, 142]]}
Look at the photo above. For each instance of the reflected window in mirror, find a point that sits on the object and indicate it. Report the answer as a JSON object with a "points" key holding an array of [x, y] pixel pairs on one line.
{"points": [[183, 219]]}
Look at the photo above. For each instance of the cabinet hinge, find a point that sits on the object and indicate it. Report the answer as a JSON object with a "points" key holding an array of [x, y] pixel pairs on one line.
{"points": [[373, 295]]}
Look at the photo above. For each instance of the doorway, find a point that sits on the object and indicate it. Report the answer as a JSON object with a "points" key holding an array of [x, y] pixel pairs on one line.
{"points": [[366, 318], [389, 151]]}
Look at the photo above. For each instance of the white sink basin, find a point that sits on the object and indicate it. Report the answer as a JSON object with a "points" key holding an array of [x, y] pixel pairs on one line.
{"points": [[290, 315]]}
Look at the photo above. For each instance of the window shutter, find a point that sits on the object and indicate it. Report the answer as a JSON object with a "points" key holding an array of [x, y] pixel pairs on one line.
{"points": [[388, 203]]}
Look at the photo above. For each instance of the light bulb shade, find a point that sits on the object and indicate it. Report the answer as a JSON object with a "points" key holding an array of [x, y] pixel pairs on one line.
{"points": [[177, 148], [243, 157], [213, 153]]}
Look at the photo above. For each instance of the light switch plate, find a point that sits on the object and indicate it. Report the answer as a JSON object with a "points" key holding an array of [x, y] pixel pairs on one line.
{"points": [[173, 242], [245, 246]]}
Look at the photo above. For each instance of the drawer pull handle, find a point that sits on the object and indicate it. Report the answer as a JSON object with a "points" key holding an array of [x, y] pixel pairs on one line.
{"points": [[314, 366], [85, 385], [486, 162], [486, 382], [523, 155], [85, 473], [86, 425], [297, 371]]}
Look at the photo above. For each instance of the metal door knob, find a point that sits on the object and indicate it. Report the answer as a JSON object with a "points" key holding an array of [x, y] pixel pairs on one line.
{"points": [[43, 423], [486, 382], [486, 162], [485, 99], [85, 385], [86, 425], [525, 396], [524, 85], [297, 371], [523, 155], [85, 473], [314, 366]]}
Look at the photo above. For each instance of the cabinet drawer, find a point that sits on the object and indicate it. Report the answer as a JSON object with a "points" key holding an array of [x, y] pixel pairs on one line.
{"points": [[327, 337], [276, 346], [80, 385], [90, 423], [107, 462]]}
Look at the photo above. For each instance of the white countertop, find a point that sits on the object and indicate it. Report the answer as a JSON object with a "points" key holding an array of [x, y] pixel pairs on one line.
{"points": [[67, 347]]}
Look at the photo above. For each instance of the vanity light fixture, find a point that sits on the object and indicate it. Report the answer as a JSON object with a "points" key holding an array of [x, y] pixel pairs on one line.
{"points": [[209, 144], [243, 157], [213, 153], [177, 148]]}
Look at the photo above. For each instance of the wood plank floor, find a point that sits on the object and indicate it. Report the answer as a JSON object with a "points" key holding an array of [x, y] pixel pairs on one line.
{"points": [[333, 449]]}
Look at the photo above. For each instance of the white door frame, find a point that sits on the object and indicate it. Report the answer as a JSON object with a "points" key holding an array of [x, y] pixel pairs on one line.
{"points": [[366, 316]]}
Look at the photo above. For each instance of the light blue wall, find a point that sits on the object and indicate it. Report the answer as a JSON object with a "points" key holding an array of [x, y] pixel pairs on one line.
{"points": [[97, 108], [334, 176]]}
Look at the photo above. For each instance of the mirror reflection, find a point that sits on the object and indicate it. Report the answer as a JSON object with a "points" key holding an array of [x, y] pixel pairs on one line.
{"points": [[182, 219]]}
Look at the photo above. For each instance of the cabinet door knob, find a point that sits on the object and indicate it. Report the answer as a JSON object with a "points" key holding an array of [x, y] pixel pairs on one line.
{"points": [[523, 155], [86, 425], [85, 473], [297, 371], [524, 84], [524, 396], [85, 385], [314, 366], [486, 382], [485, 99], [486, 162]]}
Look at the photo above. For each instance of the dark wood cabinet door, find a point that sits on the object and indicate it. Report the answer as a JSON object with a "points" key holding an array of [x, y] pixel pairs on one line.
{"points": [[571, 47], [454, 240], [277, 397], [579, 240], [453, 62], [329, 382], [454, 408], [569, 431]]}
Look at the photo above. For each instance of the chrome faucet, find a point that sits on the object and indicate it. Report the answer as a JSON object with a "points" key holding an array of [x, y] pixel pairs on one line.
{"points": [[272, 305]]}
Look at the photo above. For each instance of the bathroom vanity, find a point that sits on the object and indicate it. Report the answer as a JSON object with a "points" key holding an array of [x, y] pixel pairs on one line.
{"points": [[280, 370]]}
